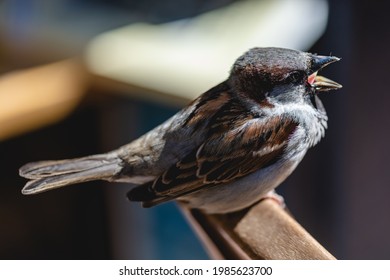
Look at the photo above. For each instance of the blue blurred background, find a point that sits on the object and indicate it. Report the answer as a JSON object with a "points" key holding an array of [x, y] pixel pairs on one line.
{"points": [[339, 193]]}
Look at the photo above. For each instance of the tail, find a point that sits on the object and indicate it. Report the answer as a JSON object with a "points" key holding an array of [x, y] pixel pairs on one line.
{"points": [[48, 175]]}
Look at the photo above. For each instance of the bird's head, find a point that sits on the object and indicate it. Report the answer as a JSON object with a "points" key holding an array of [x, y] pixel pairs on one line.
{"points": [[280, 74]]}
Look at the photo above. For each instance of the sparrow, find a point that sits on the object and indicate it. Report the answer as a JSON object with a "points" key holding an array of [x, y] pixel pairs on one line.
{"points": [[223, 152]]}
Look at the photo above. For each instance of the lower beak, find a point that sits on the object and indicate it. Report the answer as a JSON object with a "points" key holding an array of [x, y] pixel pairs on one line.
{"points": [[324, 84]]}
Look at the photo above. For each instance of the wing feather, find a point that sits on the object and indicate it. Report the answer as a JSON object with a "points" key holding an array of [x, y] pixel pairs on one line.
{"points": [[236, 144]]}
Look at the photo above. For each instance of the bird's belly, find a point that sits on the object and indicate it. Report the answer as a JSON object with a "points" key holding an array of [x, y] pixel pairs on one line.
{"points": [[243, 192]]}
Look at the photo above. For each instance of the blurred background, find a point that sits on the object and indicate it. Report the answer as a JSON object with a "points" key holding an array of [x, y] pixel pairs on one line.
{"points": [[83, 77]]}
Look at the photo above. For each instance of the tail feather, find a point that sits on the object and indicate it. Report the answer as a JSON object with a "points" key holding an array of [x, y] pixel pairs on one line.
{"points": [[47, 175], [40, 169]]}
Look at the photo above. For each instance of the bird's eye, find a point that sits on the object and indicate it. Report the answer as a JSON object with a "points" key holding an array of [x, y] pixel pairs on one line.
{"points": [[294, 77]]}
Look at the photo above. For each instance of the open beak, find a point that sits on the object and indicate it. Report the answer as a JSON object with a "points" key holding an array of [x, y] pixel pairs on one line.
{"points": [[320, 83]]}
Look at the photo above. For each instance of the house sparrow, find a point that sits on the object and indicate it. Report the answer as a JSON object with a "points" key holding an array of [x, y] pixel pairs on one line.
{"points": [[223, 152]]}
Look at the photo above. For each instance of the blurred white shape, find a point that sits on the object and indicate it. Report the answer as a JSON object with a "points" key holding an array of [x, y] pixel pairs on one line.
{"points": [[187, 57]]}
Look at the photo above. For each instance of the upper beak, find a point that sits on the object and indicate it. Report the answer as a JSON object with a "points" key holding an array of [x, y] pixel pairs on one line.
{"points": [[321, 83], [320, 61]]}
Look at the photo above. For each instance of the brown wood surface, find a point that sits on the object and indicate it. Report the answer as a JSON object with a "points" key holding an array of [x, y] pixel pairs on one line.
{"points": [[264, 231]]}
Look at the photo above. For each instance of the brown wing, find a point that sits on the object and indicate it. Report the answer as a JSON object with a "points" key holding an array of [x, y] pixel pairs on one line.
{"points": [[249, 144]]}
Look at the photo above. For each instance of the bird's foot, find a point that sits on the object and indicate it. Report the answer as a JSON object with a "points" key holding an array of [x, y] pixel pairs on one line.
{"points": [[275, 197]]}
